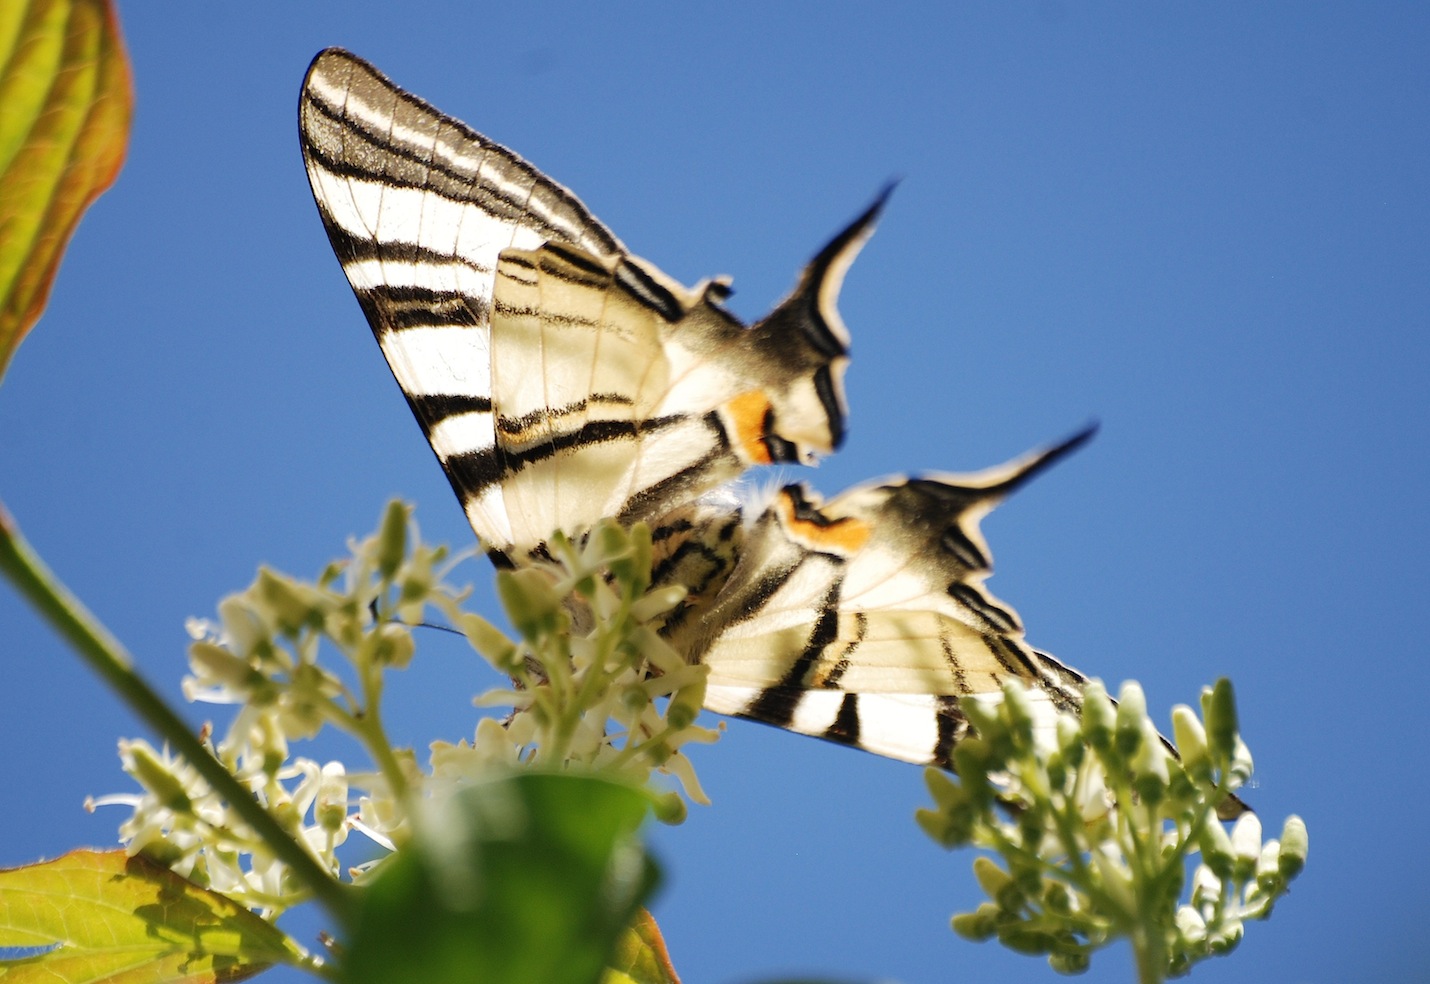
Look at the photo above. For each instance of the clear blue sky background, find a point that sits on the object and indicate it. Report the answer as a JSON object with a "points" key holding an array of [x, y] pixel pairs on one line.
{"points": [[1204, 224]]}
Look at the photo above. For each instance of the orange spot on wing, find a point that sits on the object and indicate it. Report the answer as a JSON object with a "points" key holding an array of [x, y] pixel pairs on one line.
{"points": [[846, 536], [746, 416]]}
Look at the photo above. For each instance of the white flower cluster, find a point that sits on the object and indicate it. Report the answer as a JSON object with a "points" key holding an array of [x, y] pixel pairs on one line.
{"points": [[593, 687], [1095, 829]]}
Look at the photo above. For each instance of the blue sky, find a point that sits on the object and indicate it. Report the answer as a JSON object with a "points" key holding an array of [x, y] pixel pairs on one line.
{"points": [[1206, 225]]}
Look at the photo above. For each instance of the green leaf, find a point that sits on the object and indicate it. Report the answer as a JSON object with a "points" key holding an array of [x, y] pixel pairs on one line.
{"points": [[105, 917], [524, 880], [640, 956], [64, 83]]}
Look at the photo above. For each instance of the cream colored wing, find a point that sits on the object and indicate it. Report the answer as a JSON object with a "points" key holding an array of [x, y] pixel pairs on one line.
{"points": [[558, 378], [864, 620]]}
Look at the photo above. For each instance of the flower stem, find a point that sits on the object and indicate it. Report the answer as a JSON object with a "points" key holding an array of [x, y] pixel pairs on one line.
{"points": [[94, 644]]}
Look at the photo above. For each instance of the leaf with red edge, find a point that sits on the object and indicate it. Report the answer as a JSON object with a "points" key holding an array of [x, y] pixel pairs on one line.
{"points": [[67, 98], [99, 916], [640, 956]]}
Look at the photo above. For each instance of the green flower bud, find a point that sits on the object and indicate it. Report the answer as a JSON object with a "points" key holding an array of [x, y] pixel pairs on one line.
{"points": [[997, 884], [1217, 850], [1056, 897], [1098, 716], [669, 808], [390, 644], [1190, 925], [1219, 712], [685, 704], [531, 603], [1018, 711], [983, 718], [245, 629], [211, 662], [1238, 769], [290, 604], [1294, 844], [1224, 938], [658, 602], [1268, 868], [1191, 739], [1070, 962], [979, 925], [1149, 767], [156, 776], [488, 640], [1131, 712], [1070, 741], [392, 538], [1246, 844], [330, 808], [1021, 938], [1206, 885], [1057, 773]]}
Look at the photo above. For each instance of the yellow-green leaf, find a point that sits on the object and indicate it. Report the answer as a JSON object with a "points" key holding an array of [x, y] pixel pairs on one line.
{"points": [[641, 957], [99, 916], [67, 98]]}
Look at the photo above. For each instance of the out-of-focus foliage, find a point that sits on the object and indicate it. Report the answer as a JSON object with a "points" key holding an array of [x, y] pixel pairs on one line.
{"points": [[67, 101]]}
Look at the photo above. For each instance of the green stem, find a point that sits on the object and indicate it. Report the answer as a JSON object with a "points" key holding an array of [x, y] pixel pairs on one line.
{"points": [[93, 643]]}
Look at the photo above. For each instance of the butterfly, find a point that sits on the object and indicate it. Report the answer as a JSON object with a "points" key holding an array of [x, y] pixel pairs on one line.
{"points": [[561, 379]]}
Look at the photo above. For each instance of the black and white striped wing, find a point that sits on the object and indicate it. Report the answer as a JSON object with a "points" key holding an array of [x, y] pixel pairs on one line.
{"points": [[558, 378], [864, 620]]}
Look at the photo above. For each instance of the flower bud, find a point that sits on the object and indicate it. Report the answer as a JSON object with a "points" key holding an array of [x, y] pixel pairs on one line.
{"points": [[669, 808], [1191, 739], [215, 664], [1131, 711], [1206, 886], [1268, 869], [1149, 767], [1018, 712], [244, 628], [1056, 897], [997, 884], [1070, 962], [1225, 937], [1098, 716], [1246, 844], [979, 925], [155, 775], [1070, 741], [392, 538], [1217, 850], [1294, 844], [290, 604], [1190, 924], [658, 602], [1219, 712], [1021, 938], [330, 808], [488, 640], [530, 602]]}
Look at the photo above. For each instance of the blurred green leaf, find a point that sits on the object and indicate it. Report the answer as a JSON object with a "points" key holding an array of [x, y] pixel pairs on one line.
{"points": [[105, 917], [525, 880], [640, 956], [67, 100]]}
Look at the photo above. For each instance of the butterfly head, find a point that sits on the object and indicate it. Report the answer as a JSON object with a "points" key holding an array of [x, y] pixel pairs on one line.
{"points": [[802, 348]]}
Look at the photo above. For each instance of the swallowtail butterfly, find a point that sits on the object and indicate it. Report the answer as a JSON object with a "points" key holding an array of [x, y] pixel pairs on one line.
{"points": [[561, 379]]}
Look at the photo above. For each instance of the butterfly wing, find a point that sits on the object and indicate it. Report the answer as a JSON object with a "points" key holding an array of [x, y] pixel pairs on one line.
{"points": [[864, 620], [558, 378]]}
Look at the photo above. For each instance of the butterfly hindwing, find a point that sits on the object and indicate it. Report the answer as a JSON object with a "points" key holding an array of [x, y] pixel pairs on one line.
{"points": [[864, 619]]}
